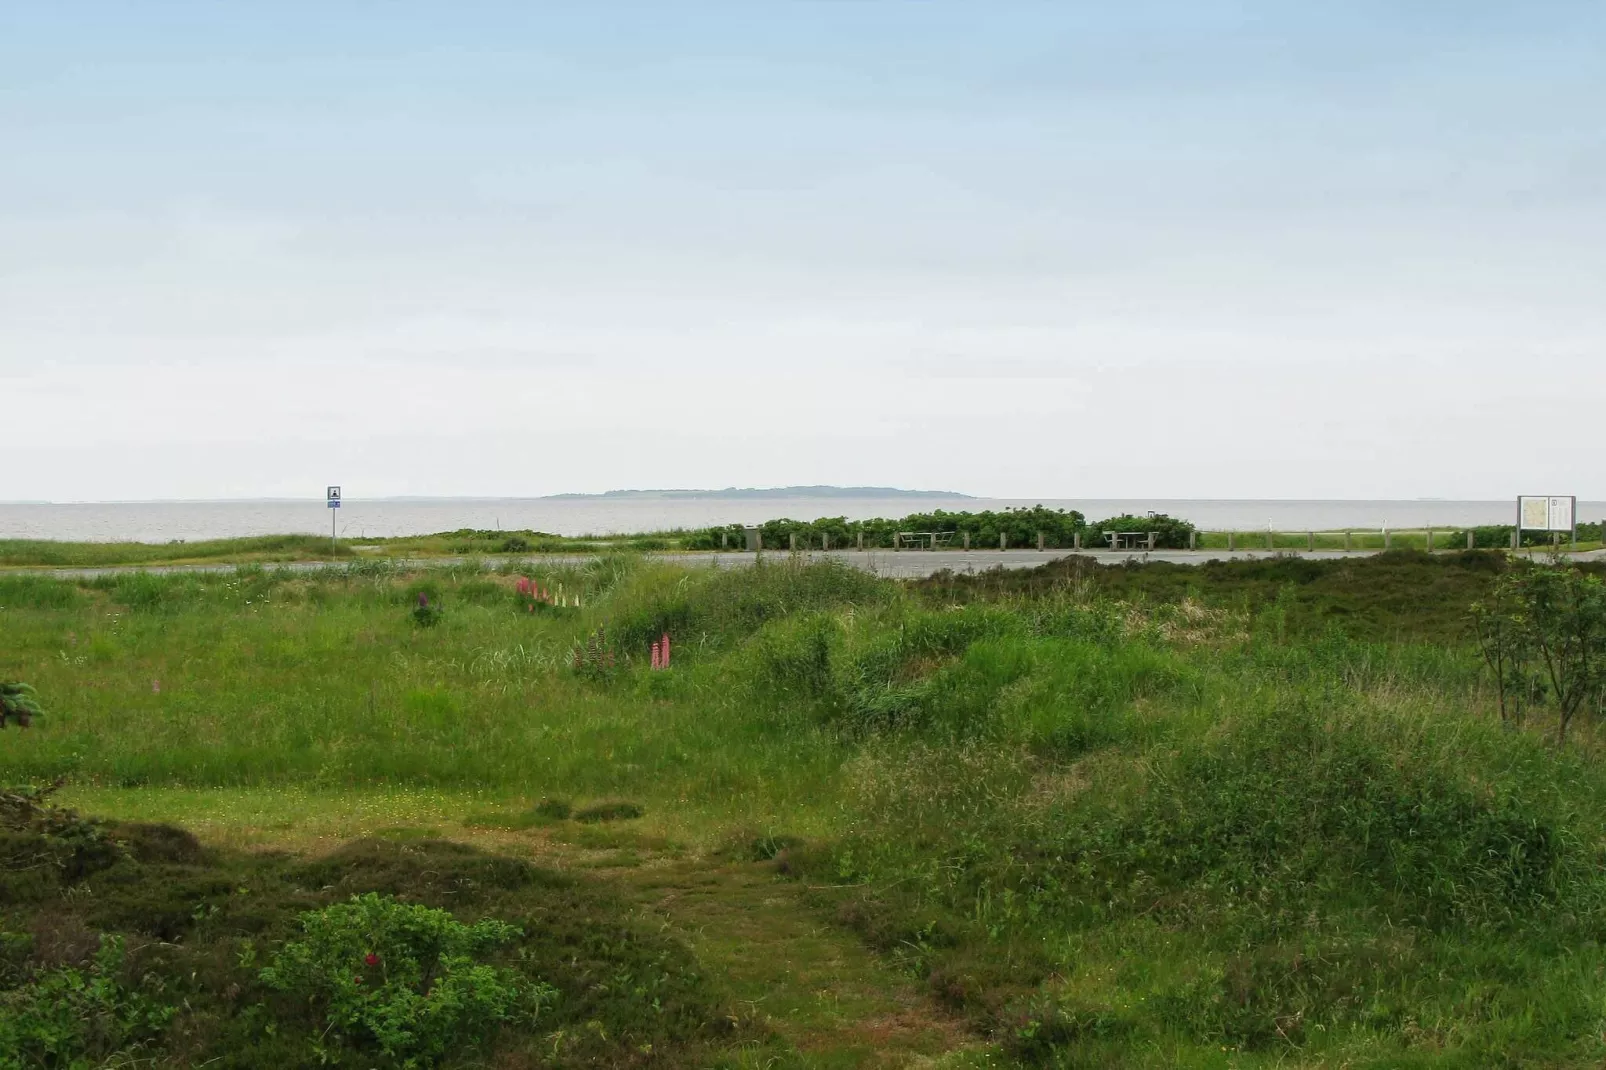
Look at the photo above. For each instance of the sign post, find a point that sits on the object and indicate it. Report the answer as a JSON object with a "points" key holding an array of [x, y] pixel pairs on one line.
{"points": [[332, 496], [1551, 513]]}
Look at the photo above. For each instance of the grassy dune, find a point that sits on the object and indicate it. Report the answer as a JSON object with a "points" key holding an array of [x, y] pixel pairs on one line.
{"points": [[1257, 814], [259, 549]]}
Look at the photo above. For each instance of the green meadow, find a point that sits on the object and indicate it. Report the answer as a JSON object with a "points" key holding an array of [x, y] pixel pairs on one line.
{"points": [[1253, 814]]}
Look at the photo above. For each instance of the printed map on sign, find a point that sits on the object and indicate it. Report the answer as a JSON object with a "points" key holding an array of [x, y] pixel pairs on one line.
{"points": [[1536, 514]]}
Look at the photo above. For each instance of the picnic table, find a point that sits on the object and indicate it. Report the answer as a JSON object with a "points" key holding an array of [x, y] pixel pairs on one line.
{"points": [[1131, 540], [932, 539]]}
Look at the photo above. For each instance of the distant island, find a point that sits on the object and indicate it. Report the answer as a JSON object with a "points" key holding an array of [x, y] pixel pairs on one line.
{"points": [[769, 492]]}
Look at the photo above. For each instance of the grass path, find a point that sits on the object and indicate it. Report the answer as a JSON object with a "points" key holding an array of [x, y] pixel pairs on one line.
{"points": [[833, 1001], [830, 1001]]}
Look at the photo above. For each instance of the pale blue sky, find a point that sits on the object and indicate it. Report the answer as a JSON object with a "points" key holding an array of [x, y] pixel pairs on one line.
{"points": [[1291, 250]]}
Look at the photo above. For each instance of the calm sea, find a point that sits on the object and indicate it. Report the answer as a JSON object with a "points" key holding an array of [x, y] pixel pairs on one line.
{"points": [[163, 521]]}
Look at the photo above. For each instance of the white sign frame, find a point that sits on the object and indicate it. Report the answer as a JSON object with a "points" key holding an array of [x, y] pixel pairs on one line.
{"points": [[332, 496], [1547, 512]]}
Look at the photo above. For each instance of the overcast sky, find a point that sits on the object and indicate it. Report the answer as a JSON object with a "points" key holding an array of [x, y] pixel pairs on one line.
{"points": [[1187, 249]]}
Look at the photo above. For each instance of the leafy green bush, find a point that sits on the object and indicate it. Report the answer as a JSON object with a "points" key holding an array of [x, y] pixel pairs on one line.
{"points": [[427, 613], [404, 980], [1170, 532], [77, 1017], [19, 704], [614, 810]]}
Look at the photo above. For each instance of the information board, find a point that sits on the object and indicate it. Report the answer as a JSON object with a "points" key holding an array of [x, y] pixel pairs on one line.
{"points": [[1552, 512]]}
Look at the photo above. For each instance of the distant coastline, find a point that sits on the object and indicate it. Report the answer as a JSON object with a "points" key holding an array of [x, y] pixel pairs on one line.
{"points": [[766, 493]]}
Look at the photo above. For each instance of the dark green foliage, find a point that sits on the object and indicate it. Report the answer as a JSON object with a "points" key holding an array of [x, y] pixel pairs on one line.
{"points": [[78, 1015], [617, 988], [427, 612], [613, 810], [553, 809], [1169, 532], [42, 844], [19, 704], [1543, 634], [1020, 526], [408, 982], [1402, 594]]}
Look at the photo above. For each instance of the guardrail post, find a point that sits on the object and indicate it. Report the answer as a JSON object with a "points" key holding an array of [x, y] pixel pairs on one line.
{"points": [[1003, 539], [1388, 538], [1231, 540], [1346, 542], [861, 540], [1076, 540], [1310, 540], [1193, 540], [967, 540], [1039, 542], [825, 540], [792, 539], [1469, 540], [897, 540]]}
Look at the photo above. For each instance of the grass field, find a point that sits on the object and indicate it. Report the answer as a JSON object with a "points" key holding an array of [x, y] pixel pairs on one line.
{"points": [[1253, 814], [1021, 528]]}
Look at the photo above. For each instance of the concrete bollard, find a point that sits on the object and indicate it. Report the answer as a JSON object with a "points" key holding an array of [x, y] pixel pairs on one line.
{"points": [[1430, 540], [825, 541], [1003, 540], [1193, 540], [1310, 540], [861, 540], [967, 540], [724, 540], [897, 540], [1039, 542], [793, 540], [1231, 539], [1469, 540], [1388, 538], [1076, 540], [1346, 542]]}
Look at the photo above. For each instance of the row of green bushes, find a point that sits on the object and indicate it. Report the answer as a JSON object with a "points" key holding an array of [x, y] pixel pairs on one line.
{"points": [[1019, 528]]}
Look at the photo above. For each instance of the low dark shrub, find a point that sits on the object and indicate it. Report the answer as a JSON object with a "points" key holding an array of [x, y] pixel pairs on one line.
{"points": [[614, 810]]}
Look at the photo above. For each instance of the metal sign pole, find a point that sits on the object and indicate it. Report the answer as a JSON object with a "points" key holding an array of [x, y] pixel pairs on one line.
{"points": [[332, 497]]}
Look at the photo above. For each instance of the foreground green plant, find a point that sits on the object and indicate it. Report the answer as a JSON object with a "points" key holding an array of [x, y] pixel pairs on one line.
{"points": [[404, 979], [19, 704], [1542, 631], [77, 1016]]}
